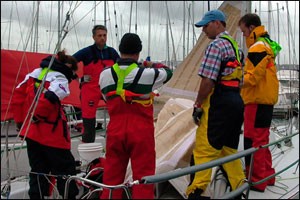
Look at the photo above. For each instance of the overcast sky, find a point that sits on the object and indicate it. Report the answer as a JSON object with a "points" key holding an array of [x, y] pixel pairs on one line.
{"points": [[15, 35]]}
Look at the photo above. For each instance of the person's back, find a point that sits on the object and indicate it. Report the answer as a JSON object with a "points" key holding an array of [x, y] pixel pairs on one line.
{"points": [[127, 88], [95, 58], [218, 108], [260, 94]]}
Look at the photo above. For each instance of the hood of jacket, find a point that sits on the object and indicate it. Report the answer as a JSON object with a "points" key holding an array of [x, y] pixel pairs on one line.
{"points": [[254, 35]]}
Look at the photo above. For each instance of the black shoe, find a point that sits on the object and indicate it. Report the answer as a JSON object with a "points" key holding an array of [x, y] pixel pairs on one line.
{"points": [[197, 195], [99, 126]]}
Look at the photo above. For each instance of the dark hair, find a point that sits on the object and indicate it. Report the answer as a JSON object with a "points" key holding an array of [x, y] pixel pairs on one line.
{"points": [[223, 23], [98, 27], [62, 57], [250, 19], [130, 44]]}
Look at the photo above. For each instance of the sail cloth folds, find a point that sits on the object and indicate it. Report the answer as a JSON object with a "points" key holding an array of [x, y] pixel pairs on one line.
{"points": [[185, 81], [14, 67]]}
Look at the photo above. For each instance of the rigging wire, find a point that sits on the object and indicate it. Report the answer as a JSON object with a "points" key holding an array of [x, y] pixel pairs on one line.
{"points": [[116, 24], [33, 106], [83, 15]]}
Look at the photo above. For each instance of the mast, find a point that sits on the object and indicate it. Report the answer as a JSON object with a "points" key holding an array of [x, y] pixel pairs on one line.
{"points": [[188, 31], [208, 5], [167, 45], [9, 31], [50, 28], [130, 16], [116, 26], [58, 24], [269, 17], [135, 17], [149, 29], [193, 19], [95, 11], [278, 60], [183, 37], [36, 31], [173, 46], [105, 13]]}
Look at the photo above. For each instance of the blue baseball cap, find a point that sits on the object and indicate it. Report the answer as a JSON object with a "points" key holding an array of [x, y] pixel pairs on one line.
{"points": [[213, 15]]}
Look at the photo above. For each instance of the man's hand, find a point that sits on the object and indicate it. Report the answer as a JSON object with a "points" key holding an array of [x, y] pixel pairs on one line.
{"points": [[197, 112], [147, 63]]}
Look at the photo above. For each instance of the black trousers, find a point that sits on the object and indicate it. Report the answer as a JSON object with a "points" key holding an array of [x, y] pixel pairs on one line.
{"points": [[45, 160]]}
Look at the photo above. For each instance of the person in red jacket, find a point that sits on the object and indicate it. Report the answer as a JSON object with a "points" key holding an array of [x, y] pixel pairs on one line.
{"points": [[127, 88], [94, 58], [39, 116]]}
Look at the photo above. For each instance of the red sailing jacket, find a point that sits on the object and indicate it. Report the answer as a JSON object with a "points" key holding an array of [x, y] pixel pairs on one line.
{"points": [[51, 128]]}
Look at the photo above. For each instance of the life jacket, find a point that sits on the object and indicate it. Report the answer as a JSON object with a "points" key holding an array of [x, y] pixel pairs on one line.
{"points": [[127, 95], [36, 85], [235, 77]]}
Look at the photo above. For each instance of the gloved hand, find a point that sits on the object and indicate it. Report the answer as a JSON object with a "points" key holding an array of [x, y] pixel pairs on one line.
{"points": [[197, 112], [147, 63], [18, 126]]}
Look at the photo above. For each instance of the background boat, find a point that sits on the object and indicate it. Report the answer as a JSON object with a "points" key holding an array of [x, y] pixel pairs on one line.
{"points": [[288, 99]]}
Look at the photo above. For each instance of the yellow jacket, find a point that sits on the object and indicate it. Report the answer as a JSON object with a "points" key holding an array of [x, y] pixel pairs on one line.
{"points": [[260, 84]]}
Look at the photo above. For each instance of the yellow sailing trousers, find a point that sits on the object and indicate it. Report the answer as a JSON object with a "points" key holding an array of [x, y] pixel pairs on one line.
{"points": [[218, 136]]}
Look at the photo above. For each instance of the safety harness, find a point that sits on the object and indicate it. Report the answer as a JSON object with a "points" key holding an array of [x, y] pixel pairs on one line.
{"points": [[233, 79], [127, 95], [37, 83]]}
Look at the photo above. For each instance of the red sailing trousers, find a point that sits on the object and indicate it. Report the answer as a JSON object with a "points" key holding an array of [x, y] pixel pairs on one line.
{"points": [[256, 133], [130, 136], [90, 97]]}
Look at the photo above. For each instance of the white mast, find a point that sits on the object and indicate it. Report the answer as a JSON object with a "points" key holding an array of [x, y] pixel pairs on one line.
{"points": [[105, 13], [167, 45], [173, 46], [95, 11], [58, 24], [269, 17], [278, 40], [193, 21], [130, 16], [188, 31], [183, 37], [149, 29], [9, 31], [135, 17]]}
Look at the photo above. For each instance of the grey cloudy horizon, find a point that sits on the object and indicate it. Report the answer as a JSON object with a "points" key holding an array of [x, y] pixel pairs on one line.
{"points": [[82, 21]]}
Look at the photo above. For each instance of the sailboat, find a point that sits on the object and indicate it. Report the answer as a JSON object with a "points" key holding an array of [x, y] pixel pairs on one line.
{"points": [[174, 140], [288, 100]]}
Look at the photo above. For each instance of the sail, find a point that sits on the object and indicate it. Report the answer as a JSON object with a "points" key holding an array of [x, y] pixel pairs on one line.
{"points": [[14, 67], [185, 81]]}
